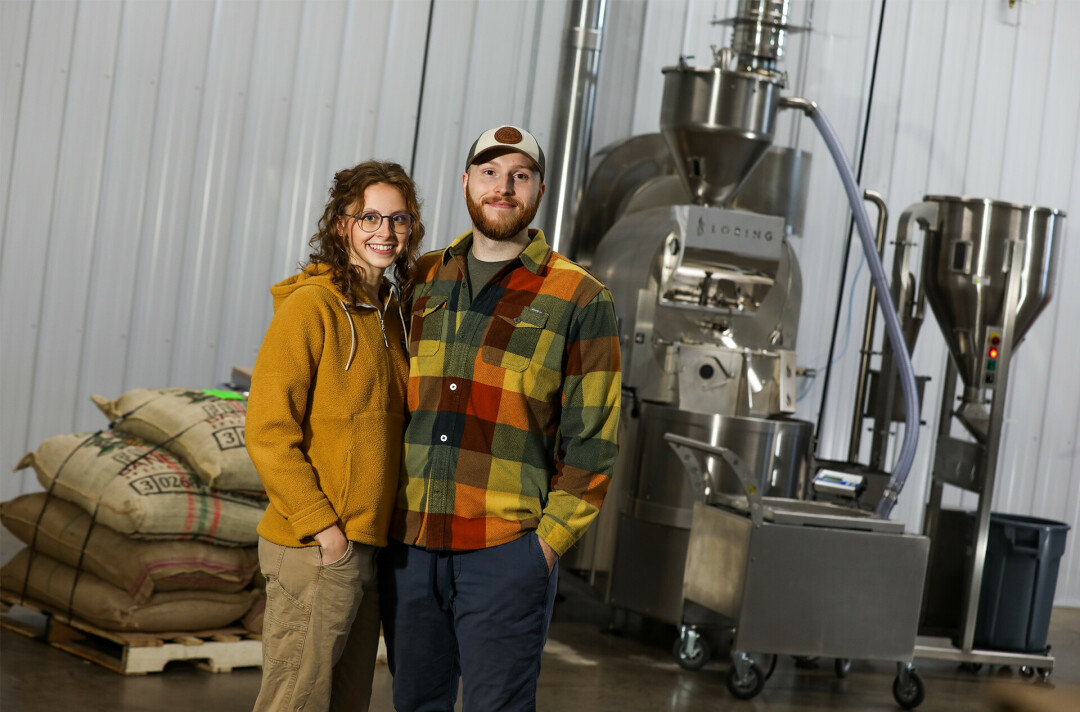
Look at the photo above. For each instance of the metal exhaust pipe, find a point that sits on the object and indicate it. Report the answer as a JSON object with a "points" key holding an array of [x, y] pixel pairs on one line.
{"points": [[573, 133]]}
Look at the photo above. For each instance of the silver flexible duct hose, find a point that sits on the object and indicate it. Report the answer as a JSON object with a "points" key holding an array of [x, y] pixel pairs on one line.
{"points": [[892, 321]]}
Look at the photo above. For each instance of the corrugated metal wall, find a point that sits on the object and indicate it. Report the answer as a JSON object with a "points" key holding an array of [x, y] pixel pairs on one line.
{"points": [[164, 162]]}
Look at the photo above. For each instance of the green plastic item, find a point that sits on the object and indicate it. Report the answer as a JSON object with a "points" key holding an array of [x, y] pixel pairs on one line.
{"points": [[222, 394]]}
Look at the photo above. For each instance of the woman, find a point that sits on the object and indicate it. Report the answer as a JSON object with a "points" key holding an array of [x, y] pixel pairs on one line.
{"points": [[324, 428]]}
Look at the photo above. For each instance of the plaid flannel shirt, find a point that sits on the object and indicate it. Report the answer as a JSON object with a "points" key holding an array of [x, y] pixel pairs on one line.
{"points": [[514, 399]]}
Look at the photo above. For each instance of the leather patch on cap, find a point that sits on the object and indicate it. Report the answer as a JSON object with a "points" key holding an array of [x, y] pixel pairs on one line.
{"points": [[508, 134]]}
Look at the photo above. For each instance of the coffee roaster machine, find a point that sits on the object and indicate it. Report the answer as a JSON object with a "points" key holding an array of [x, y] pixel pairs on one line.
{"points": [[710, 517]]}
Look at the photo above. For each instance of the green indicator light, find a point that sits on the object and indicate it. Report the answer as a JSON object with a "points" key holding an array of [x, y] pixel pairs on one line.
{"points": [[991, 365]]}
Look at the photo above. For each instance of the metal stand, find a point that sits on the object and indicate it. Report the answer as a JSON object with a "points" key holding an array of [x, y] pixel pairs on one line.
{"points": [[909, 299], [973, 468]]}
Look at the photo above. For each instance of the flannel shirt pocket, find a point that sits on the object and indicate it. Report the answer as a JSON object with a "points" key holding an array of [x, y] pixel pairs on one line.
{"points": [[428, 327], [510, 341]]}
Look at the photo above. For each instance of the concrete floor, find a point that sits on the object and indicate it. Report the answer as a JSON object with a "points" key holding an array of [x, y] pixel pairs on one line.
{"points": [[584, 669]]}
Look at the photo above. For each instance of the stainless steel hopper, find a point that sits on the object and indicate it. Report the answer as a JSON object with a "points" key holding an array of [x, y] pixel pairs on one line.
{"points": [[966, 263], [719, 121], [718, 124]]}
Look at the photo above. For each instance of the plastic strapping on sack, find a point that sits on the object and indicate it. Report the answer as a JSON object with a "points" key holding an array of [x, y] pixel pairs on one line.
{"points": [[41, 515], [124, 416]]}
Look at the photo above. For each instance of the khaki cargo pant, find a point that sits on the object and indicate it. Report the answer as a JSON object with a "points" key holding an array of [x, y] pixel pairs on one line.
{"points": [[318, 619]]}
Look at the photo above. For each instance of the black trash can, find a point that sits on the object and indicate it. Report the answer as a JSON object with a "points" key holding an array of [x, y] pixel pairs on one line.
{"points": [[1022, 559]]}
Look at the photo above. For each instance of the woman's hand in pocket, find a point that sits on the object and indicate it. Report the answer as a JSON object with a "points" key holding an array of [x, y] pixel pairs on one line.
{"points": [[333, 543]]}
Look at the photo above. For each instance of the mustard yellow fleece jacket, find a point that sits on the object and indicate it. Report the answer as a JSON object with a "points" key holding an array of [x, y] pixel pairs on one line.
{"points": [[327, 411]]}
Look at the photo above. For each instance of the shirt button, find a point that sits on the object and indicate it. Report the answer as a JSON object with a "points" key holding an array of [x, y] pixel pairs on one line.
{"points": [[453, 386], [442, 438]]}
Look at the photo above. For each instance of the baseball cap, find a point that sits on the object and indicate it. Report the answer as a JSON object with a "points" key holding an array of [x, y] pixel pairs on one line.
{"points": [[511, 137]]}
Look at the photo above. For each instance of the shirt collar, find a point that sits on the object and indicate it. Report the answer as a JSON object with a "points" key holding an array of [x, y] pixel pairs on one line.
{"points": [[533, 257]]}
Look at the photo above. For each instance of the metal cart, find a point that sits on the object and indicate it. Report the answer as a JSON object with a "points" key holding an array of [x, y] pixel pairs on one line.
{"points": [[801, 578]]}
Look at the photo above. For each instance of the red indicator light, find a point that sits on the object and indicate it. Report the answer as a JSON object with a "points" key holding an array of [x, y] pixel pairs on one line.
{"points": [[993, 352]]}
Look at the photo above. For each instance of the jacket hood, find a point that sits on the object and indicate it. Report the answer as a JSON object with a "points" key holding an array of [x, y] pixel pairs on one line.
{"points": [[313, 275], [319, 275]]}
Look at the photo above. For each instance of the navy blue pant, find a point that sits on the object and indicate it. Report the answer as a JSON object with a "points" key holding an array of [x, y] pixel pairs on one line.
{"points": [[482, 615]]}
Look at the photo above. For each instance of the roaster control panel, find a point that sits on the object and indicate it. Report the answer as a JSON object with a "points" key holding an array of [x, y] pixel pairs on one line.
{"points": [[990, 364]]}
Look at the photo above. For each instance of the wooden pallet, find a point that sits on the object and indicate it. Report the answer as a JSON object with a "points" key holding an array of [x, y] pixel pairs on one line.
{"points": [[136, 653]]}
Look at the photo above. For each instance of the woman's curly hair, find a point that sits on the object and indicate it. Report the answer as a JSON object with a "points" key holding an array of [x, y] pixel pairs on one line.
{"points": [[330, 245]]}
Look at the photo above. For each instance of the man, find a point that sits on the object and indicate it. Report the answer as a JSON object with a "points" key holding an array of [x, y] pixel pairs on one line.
{"points": [[514, 390]]}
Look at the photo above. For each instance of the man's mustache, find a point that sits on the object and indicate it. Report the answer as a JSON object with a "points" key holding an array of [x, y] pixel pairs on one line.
{"points": [[512, 201]]}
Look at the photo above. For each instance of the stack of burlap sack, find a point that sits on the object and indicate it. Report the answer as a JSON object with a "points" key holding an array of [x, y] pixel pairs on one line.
{"points": [[149, 525]]}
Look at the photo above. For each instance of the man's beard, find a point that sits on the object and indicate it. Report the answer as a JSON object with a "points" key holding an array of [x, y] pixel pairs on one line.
{"points": [[505, 227]]}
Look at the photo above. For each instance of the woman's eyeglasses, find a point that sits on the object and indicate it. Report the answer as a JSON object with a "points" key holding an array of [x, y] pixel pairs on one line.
{"points": [[370, 221]]}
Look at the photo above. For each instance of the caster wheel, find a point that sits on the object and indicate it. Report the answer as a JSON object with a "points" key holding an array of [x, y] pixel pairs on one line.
{"points": [[747, 687], [973, 668], [691, 658], [805, 663], [842, 667], [1027, 670], [912, 694], [1044, 673]]}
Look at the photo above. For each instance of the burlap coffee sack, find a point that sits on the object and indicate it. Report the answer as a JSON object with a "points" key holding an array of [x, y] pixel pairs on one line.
{"points": [[258, 580], [204, 428], [141, 491], [141, 568], [253, 619], [110, 608]]}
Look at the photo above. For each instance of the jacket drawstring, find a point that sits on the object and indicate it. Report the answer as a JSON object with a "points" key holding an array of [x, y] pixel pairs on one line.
{"points": [[382, 325], [352, 348]]}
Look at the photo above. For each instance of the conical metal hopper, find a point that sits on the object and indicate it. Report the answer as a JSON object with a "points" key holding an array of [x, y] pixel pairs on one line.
{"points": [[965, 272], [718, 124]]}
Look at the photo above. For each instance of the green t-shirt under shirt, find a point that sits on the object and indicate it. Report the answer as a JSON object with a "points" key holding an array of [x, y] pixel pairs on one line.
{"points": [[480, 272]]}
